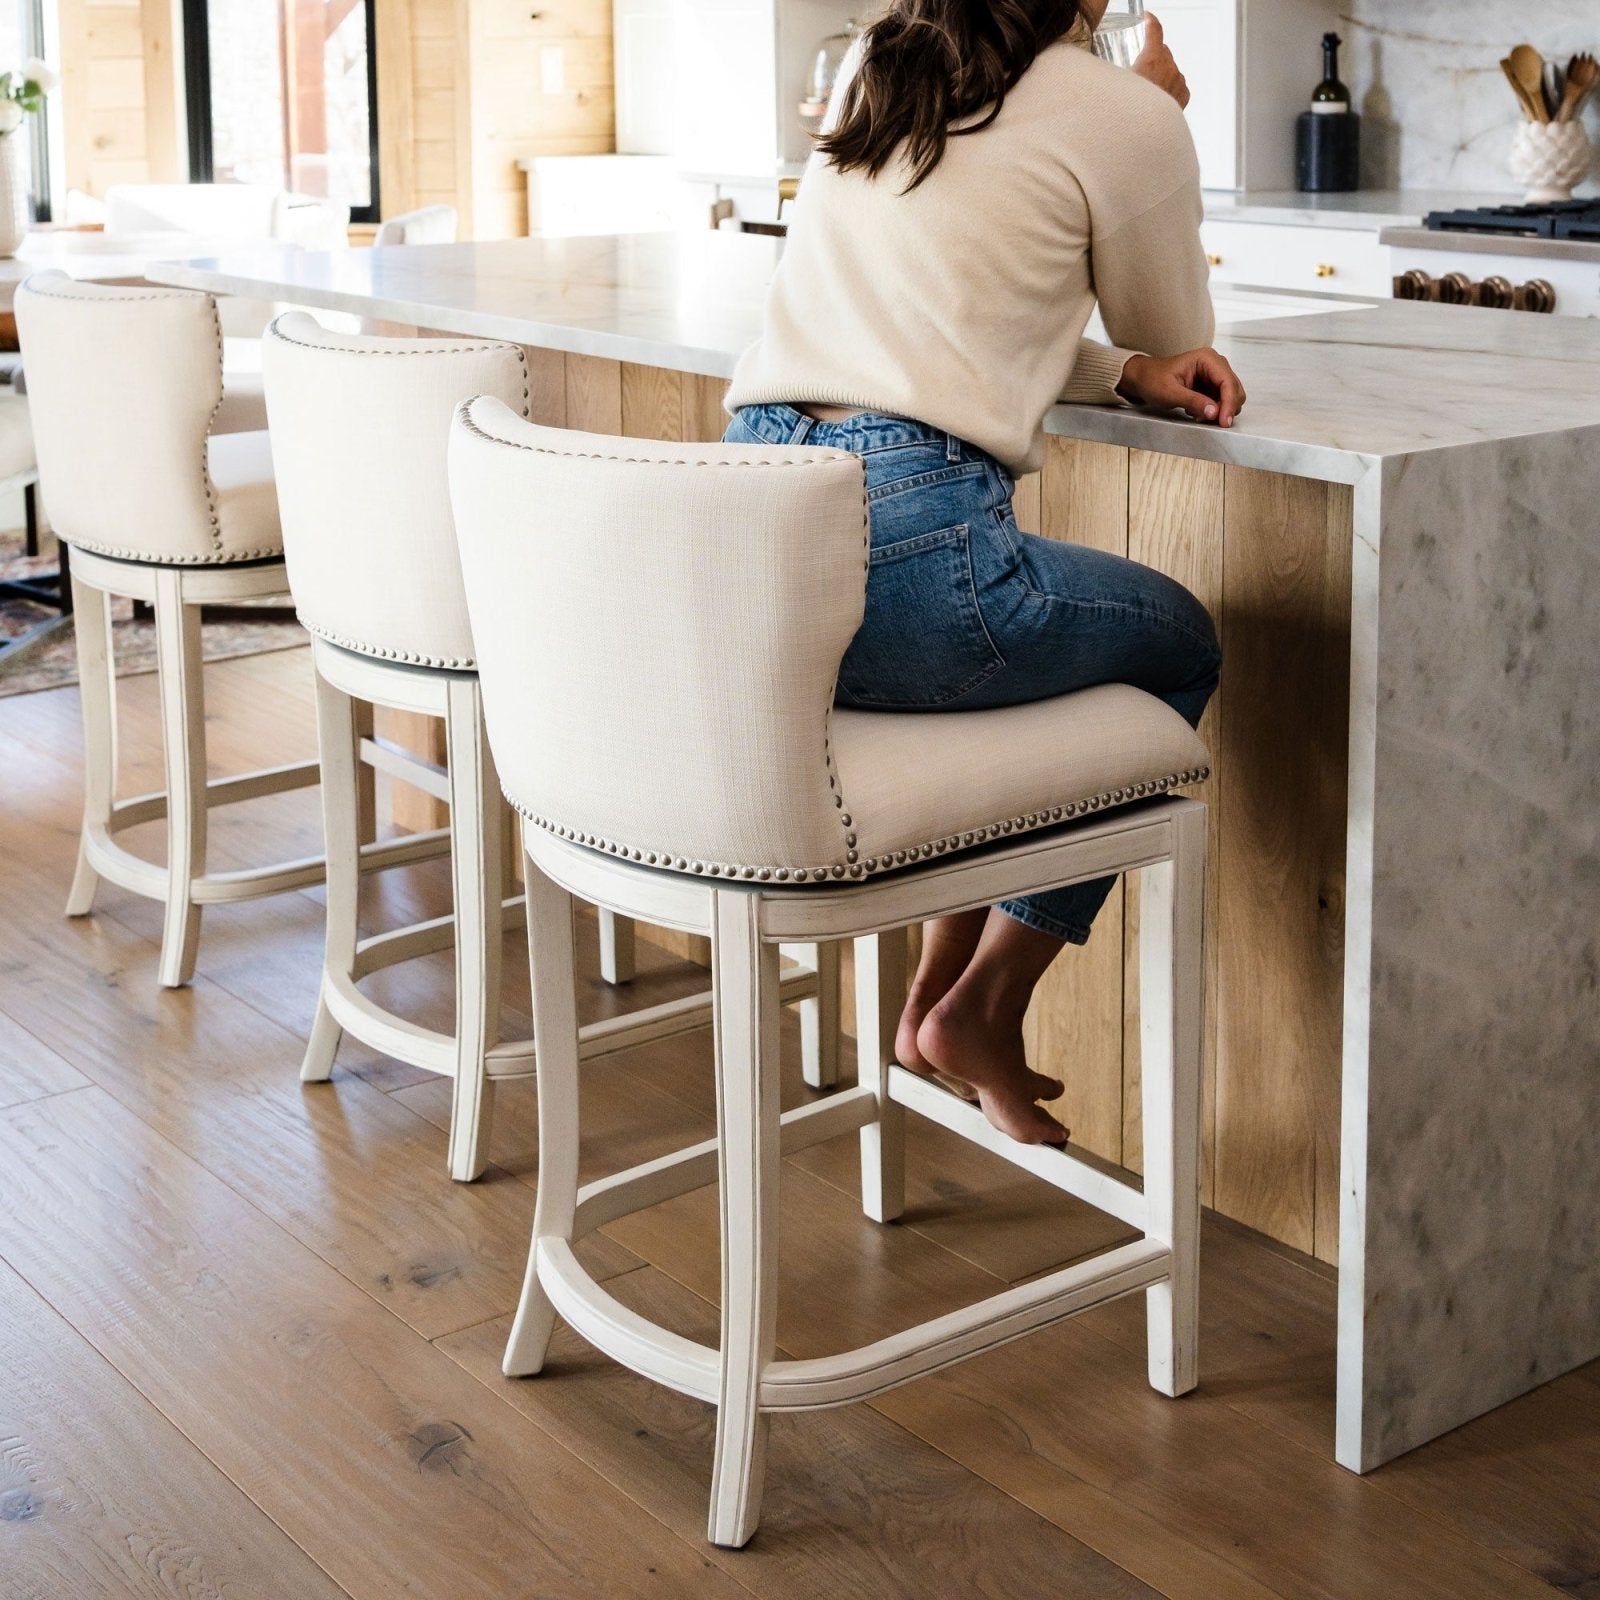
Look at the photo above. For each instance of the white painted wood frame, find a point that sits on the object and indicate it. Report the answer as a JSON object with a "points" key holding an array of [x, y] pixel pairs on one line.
{"points": [[473, 1055], [1163, 839], [183, 885]]}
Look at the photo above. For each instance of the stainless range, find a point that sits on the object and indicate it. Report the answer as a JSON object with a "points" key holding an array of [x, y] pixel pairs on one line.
{"points": [[1536, 258]]}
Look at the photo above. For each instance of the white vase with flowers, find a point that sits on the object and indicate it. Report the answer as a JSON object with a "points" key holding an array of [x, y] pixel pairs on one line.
{"points": [[21, 91]]}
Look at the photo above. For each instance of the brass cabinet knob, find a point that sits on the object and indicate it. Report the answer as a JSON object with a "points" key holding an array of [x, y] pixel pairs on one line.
{"points": [[1215, 261], [1325, 270]]}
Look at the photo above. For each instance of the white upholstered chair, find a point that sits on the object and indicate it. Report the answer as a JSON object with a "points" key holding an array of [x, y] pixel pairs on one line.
{"points": [[659, 629], [425, 225], [359, 432], [122, 386]]}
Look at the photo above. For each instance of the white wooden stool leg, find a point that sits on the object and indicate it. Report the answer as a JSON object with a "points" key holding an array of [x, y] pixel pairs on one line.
{"points": [[616, 947], [476, 839], [745, 978], [97, 693], [819, 1015], [1171, 989], [555, 1028], [339, 724], [880, 994], [183, 731], [366, 776]]}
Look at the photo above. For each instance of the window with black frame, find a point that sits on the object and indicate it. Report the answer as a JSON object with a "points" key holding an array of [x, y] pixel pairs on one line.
{"points": [[284, 94]]}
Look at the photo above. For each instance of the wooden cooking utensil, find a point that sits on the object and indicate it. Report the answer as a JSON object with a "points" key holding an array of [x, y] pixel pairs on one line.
{"points": [[1528, 109], [1528, 67], [1583, 72]]}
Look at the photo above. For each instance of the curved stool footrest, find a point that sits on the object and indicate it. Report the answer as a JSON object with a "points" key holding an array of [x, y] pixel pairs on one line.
{"points": [[885, 1364], [624, 1335], [825, 1381]]}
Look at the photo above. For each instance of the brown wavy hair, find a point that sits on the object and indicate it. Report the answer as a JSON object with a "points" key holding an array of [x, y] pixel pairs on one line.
{"points": [[927, 64]]}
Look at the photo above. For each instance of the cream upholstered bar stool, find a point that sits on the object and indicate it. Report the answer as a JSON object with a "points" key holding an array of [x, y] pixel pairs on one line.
{"points": [[659, 631], [123, 387], [360, 426]]}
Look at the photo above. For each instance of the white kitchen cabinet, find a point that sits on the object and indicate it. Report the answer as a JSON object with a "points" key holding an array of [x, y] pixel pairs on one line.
{"points": [[1283, 256]]}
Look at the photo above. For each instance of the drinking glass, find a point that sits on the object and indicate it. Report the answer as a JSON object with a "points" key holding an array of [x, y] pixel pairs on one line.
{"points": [[1120, 36]]}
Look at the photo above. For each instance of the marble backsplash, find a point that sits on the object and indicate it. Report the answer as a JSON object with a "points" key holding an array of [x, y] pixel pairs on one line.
{"points": [[1426, 77]]}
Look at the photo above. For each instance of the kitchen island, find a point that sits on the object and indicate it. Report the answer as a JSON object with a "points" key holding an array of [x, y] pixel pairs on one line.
{"points": [[1403, 1008]]}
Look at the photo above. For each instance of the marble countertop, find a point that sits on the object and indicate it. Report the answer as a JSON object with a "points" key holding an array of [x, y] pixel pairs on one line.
{"points": [[1368, 209], [1334, 385]]}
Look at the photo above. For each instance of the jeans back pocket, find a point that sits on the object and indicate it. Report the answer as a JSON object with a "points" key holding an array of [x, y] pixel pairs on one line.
{"points": [[922, 642]]}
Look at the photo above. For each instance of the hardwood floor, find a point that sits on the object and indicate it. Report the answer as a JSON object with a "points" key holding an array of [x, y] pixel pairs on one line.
{"points": [[250, 1332]]}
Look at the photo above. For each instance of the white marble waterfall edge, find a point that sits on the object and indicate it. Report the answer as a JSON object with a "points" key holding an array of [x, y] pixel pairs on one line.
{"points": [[1471, 1200]]}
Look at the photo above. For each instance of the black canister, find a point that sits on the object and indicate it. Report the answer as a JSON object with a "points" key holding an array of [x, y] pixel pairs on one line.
{"points": [[1327, 153]]}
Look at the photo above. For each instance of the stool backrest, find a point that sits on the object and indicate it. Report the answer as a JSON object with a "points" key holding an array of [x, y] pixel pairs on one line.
{"points": [[425, 225], [122, 383], [659, 631], [359, 430]]}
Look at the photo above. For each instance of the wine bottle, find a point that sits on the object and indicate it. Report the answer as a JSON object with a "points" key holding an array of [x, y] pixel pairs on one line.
{"points": [[1330, 98], [1328, 136]]}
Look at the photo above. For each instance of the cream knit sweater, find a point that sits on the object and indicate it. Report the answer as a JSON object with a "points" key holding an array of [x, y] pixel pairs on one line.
{"points": [[963, 303]]}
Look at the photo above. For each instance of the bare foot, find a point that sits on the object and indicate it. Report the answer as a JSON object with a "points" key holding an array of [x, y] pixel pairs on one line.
{"points": [[919, 1003], [948, 944], [959, 1042]]}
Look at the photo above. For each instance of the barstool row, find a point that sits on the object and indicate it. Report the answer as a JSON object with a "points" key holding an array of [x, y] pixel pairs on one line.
{"points": [[636, 645]]}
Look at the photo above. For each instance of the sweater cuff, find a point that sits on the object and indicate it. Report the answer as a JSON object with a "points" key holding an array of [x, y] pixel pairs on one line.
{"points": [[1096, 374]]}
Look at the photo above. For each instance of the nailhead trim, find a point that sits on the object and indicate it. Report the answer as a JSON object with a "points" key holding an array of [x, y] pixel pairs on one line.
{"points": [[408, 658], [825, 457], [467, 347], [857, 869]]}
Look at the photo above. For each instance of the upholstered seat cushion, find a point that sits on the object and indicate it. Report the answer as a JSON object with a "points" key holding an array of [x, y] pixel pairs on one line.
{"points": [[245, 498], [243, 408], [16, 436], [920, 783]]}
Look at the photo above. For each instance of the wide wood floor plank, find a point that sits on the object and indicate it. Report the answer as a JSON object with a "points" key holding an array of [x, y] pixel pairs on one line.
{"points": [[101, 1498], [854, 1505], [29, 1068], [391, 1467]]}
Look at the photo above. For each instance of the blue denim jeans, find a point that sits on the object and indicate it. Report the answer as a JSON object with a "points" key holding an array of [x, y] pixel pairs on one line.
{"points": [[965, 612]]}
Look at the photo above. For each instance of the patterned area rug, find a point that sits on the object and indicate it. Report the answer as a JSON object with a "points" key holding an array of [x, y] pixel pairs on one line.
{"points": [[51, 660]]}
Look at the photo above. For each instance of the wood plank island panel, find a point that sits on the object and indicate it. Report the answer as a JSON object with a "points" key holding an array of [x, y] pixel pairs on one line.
{"points": [[1270, 557]]}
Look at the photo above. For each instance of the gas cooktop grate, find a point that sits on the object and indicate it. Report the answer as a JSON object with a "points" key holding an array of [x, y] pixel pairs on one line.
{"points": [[1567, 219]]}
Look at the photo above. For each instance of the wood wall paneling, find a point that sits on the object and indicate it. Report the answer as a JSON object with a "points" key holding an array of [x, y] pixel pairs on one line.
{"points": [[1074, 1028], [1281, 761], [1175, 516], [394, 41]]}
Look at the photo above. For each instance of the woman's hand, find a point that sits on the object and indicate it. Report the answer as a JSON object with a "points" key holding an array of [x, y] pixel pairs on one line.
{"points": [[1157, 64], [1199, 382]]}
